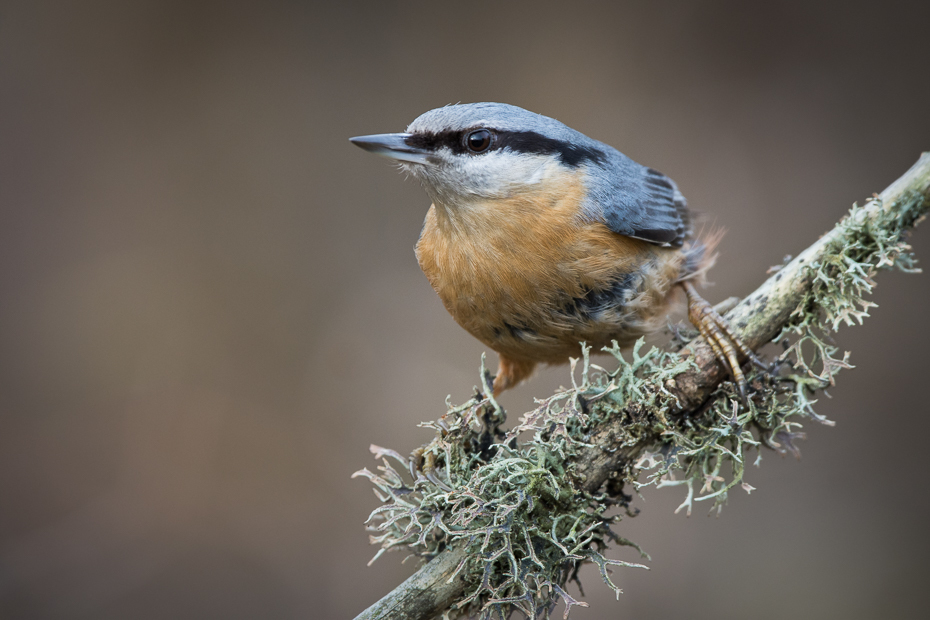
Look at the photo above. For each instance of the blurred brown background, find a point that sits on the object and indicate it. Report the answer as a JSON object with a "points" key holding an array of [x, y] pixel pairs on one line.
{"points": [[210, 303]]}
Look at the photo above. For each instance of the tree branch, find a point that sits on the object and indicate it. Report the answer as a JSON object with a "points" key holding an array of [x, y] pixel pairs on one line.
{"points": [[758, 319]]}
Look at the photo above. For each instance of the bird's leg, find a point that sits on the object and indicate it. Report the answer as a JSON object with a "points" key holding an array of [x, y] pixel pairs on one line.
{"points": [[510, 372], [717, 333]]}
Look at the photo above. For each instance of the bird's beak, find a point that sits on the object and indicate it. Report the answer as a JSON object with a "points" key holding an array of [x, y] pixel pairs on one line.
{"points": [[392, 145]]}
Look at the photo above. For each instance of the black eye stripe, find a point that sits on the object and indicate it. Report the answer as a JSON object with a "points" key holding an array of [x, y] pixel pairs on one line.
{"points": [[531, 142], [452, 140], [519, 141]]}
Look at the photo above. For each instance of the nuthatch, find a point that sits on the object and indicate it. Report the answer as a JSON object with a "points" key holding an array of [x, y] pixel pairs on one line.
{"points": [[540, 238]]}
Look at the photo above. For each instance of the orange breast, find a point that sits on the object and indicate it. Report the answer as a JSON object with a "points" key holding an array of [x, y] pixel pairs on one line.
{"points": [[531, 279]]}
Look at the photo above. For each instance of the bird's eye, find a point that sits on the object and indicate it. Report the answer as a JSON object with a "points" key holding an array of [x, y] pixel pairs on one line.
{"points": [[478, 141]]}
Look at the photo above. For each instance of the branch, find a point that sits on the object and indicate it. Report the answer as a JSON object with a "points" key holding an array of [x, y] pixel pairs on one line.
{"points": [[425, 594], [761, 316]]}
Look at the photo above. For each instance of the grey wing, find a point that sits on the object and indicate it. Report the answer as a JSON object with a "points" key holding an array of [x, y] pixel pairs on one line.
{"points": [[645, 204]]}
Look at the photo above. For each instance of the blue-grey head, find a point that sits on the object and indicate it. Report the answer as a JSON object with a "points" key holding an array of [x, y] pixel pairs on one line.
{"points": [[483, 150], [471, 153]]}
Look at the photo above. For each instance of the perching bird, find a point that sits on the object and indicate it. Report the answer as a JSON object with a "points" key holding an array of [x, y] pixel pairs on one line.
{"points": [[540, 238]]}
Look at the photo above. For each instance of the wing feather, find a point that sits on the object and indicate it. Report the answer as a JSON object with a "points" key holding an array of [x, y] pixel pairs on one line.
{"points": [[645, 204]]}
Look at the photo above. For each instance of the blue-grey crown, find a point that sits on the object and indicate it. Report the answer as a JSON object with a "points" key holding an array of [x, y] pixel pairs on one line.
{"points": [[515, 129], [500, 116]]}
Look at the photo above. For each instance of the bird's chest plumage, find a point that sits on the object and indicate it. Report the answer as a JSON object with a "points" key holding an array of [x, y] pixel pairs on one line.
{"points": [[531, 280]]}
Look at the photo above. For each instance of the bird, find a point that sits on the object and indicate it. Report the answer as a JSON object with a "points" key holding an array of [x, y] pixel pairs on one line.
{"points": [[540, 238]]}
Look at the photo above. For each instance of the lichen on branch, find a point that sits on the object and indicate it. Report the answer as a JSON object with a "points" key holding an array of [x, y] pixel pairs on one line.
{"points": [[525, 507], [526, 527]]}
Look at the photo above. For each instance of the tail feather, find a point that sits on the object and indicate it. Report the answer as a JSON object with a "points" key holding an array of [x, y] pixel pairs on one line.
{"points": [[700, 256]]}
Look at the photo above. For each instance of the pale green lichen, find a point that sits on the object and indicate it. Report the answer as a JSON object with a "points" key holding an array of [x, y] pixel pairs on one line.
{"points": [[704, 447], [518, 506], [527, 528]]}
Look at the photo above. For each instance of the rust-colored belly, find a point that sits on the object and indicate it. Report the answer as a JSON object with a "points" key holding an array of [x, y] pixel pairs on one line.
{"points": [[533, 287]]}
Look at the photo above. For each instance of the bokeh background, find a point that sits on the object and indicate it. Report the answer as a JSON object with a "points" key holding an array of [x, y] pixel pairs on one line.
{"points": [[210, 307]]}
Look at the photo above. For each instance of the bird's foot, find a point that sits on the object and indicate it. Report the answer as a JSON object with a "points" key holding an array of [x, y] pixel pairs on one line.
{"points": [[716, 331]]}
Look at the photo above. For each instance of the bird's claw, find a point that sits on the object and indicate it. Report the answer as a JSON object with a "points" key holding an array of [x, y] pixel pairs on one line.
{"points": [[726, 345]]}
